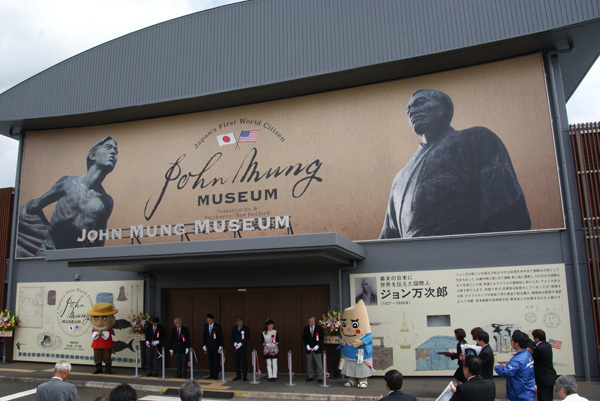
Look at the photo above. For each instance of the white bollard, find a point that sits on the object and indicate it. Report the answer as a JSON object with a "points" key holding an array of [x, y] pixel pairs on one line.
{"points": [[163, 362], [137, 361], [324, 384], [222, 379], [254, 364], [192, 364], [291, 373]]}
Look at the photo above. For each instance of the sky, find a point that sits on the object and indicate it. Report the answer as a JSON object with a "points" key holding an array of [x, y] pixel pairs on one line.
{"points": [[37, 34]]}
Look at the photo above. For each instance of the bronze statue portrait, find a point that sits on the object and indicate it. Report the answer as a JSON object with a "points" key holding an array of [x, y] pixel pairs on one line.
{"points": [[81, 203]]}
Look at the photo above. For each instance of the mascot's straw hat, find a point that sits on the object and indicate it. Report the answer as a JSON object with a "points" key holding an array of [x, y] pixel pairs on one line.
{"points": [[102, 309]]}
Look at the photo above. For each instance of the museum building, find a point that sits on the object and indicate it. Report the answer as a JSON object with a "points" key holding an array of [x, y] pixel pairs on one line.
{"points": [[274, 159]]}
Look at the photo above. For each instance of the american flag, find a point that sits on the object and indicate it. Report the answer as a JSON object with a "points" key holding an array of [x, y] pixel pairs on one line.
{"points": [[555, 343], [248, 136]]}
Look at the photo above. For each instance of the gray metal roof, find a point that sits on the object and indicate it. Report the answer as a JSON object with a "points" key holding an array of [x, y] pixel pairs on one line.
{"points": [[268, 49], [324, 250]]}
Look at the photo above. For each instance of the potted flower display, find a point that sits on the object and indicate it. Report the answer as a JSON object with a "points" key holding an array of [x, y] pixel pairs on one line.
{"points": [[138, 325], [331, 323], [8, 323]]}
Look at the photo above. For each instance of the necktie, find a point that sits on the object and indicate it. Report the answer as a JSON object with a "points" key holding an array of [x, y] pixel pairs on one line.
{"points": [[312, 330], [179, 331]]}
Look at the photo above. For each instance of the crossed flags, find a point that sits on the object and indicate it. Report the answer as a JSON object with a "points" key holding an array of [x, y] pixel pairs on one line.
{"points": [[230, 139]]}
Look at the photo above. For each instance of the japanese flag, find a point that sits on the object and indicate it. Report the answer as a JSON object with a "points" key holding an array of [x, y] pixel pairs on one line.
{"points": [[226, 139]]}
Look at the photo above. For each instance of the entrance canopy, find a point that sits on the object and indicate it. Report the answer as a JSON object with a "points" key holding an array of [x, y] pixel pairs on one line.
{"points": [[315, 250]]}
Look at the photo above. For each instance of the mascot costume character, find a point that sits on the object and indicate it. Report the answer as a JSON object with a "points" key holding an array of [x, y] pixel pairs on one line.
{"points": [[102, 316], [357, 346]]}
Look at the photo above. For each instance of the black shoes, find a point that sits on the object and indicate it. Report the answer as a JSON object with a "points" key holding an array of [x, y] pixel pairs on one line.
{"points": [[310, 379], [236, 378]]}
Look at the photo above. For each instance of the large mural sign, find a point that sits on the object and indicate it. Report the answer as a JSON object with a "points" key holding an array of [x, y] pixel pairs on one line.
{"points": [[414, 314], [55, 324], [390, 160]]}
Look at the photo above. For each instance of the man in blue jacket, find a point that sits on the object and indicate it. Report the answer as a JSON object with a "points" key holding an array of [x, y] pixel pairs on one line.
{"points": [[519, 373]]}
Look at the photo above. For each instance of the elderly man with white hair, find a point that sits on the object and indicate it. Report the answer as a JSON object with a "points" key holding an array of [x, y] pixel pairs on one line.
{"points": [[57, 389], [190, 391], [566, 388]]}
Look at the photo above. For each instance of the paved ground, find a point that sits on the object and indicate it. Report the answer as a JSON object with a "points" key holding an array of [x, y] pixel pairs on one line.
{"points": [[424, 388]]}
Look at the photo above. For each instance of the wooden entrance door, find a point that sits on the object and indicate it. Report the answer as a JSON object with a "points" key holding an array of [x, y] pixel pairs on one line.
{"points": [[288, 307]]}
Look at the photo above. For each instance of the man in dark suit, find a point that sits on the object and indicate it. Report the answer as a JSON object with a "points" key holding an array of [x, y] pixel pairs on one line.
{"points": [[213, 345], [155, 340], [393, 384], [312, 337], [179, 344], [367, 294], [57, 389], [486, 354], [240, 335], [545, 375], [475, 388]]}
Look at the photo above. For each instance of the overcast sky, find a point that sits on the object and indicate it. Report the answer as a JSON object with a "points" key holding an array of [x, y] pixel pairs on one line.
{"points": [[37, 34]]}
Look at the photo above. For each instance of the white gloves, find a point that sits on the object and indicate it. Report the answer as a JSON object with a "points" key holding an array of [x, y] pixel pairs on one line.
{"points": [[95, 335], [155, 342], [308, 347], [171, 352], [220, 349], [237, 345], [187, 350], [147, 344], [204, 348], [105, 335], [316, 348]]}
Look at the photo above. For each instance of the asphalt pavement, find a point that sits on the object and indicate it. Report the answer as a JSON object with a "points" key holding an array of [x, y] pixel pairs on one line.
{"points": [[423, 388]]}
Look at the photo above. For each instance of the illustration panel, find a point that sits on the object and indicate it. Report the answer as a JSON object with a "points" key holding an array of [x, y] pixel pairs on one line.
{"points": [[55, 325], [417, 312]]}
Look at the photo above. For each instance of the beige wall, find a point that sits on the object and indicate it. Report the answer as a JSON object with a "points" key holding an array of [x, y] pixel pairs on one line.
{"points": [[361, 137]]}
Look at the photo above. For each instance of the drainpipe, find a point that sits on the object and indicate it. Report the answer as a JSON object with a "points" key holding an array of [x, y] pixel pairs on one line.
{"points": [[15, 214], [553, 65], [348, 268], [148, 293]]}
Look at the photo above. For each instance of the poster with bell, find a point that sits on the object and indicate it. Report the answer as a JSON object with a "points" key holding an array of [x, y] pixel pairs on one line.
{"points": [[55, 323], [413, 314]]}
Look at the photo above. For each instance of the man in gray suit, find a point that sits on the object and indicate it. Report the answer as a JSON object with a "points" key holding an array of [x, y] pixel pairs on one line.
{"points": [[57, 389]]}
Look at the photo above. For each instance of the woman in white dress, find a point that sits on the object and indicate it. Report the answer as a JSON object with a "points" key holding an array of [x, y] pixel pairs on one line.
{"points": [[270, 342]]}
